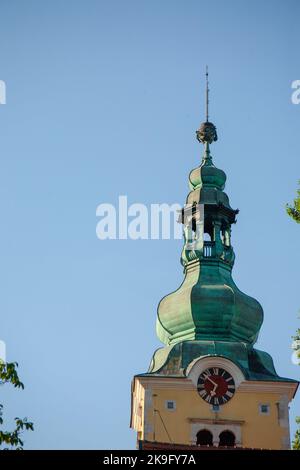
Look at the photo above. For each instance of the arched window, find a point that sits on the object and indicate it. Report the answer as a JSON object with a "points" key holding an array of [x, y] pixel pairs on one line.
{"points": [[204, 438], [227, 438]]}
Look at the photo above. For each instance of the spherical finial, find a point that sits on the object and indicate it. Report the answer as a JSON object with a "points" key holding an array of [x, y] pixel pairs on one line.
{"points": [[207, 132]]}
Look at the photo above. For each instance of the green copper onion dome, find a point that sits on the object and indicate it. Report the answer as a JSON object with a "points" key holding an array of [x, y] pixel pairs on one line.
{"points": [[208, 305], [207, 183], [207, 176]]}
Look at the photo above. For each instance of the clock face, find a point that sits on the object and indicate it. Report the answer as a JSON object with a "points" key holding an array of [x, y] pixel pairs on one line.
{"points": [[216, 386]]}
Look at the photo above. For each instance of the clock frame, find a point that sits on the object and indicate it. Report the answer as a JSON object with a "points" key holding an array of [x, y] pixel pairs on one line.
{"points": [[216, 386]]}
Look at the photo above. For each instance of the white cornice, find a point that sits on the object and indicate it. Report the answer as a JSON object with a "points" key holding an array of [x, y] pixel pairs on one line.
{"points": [[246, 386], [282, 388]]}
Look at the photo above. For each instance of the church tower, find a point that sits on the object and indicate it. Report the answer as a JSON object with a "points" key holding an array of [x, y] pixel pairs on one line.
{"points": [[209, 386]]}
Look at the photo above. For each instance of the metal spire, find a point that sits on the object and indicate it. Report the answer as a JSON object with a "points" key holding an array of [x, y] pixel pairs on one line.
{"points": [[207, 133], [206, 95]]}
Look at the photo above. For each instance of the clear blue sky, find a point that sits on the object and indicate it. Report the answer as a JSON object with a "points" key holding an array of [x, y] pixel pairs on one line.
{"points": [[103, 98]]}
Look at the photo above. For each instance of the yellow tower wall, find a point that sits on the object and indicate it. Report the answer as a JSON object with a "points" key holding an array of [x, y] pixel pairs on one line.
{"points": [[242, 415]]}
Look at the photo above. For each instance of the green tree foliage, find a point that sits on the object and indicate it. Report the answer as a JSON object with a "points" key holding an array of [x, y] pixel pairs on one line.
{"points": [[12, 439], [294, 211]]}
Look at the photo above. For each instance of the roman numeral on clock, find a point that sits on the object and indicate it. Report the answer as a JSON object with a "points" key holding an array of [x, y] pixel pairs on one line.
{"points": [[206, 374]]}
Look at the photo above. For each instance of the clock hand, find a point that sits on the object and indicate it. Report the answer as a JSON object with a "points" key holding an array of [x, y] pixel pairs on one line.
{"points": [[214, 383], [212, 392]]}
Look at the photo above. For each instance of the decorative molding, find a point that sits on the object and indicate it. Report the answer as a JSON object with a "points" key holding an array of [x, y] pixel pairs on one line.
{"points": [[283, 421], [216, 421], [148, 428]]}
